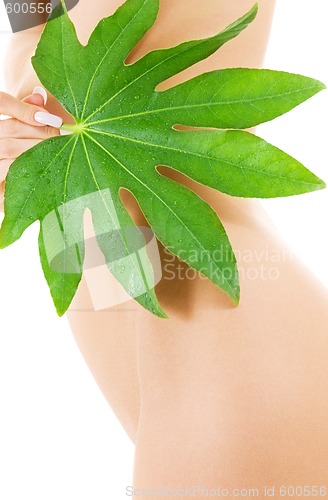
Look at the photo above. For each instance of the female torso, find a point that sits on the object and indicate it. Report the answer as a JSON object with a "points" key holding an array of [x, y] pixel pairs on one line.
{"points": [[242, 390]]}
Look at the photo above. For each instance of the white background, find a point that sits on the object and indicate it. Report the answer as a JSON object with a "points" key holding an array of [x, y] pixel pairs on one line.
{"points": [[58, 436]]}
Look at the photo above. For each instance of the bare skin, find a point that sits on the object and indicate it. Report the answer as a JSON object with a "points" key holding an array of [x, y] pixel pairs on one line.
{"points": [[215, 395]]}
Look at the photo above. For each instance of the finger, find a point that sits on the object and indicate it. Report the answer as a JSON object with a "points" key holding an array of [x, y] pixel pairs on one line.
{"points": [[2, 190], [12, 128], [27, 113], [4, 167], [36, 100], [38, 97], [12, 148]]}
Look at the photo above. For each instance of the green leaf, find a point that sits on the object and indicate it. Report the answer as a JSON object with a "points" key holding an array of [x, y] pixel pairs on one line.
{"points": [[124, 130], [232, 98], [62, 285]]}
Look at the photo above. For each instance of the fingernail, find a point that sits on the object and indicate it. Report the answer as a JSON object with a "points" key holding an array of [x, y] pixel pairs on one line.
{"points": [[65, 132], [48, 119], [42, 92]]}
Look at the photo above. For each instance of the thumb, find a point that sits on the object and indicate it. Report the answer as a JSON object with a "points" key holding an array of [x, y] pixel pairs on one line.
{"points": [[38, 97]]}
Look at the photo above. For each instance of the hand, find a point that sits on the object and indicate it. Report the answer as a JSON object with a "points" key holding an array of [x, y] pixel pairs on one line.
{"points": [[29, 125]]}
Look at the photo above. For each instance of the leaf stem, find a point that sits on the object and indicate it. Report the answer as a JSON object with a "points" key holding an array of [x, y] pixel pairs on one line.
{"points": [[76, 128]]}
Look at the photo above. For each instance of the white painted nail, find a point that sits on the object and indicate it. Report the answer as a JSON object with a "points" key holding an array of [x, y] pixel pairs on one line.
{"points": [[42, 92], [65, 132], [48, 119]]}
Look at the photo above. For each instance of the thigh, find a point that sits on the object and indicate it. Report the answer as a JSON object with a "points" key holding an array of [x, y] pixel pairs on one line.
{"points": [[236, 396]]}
